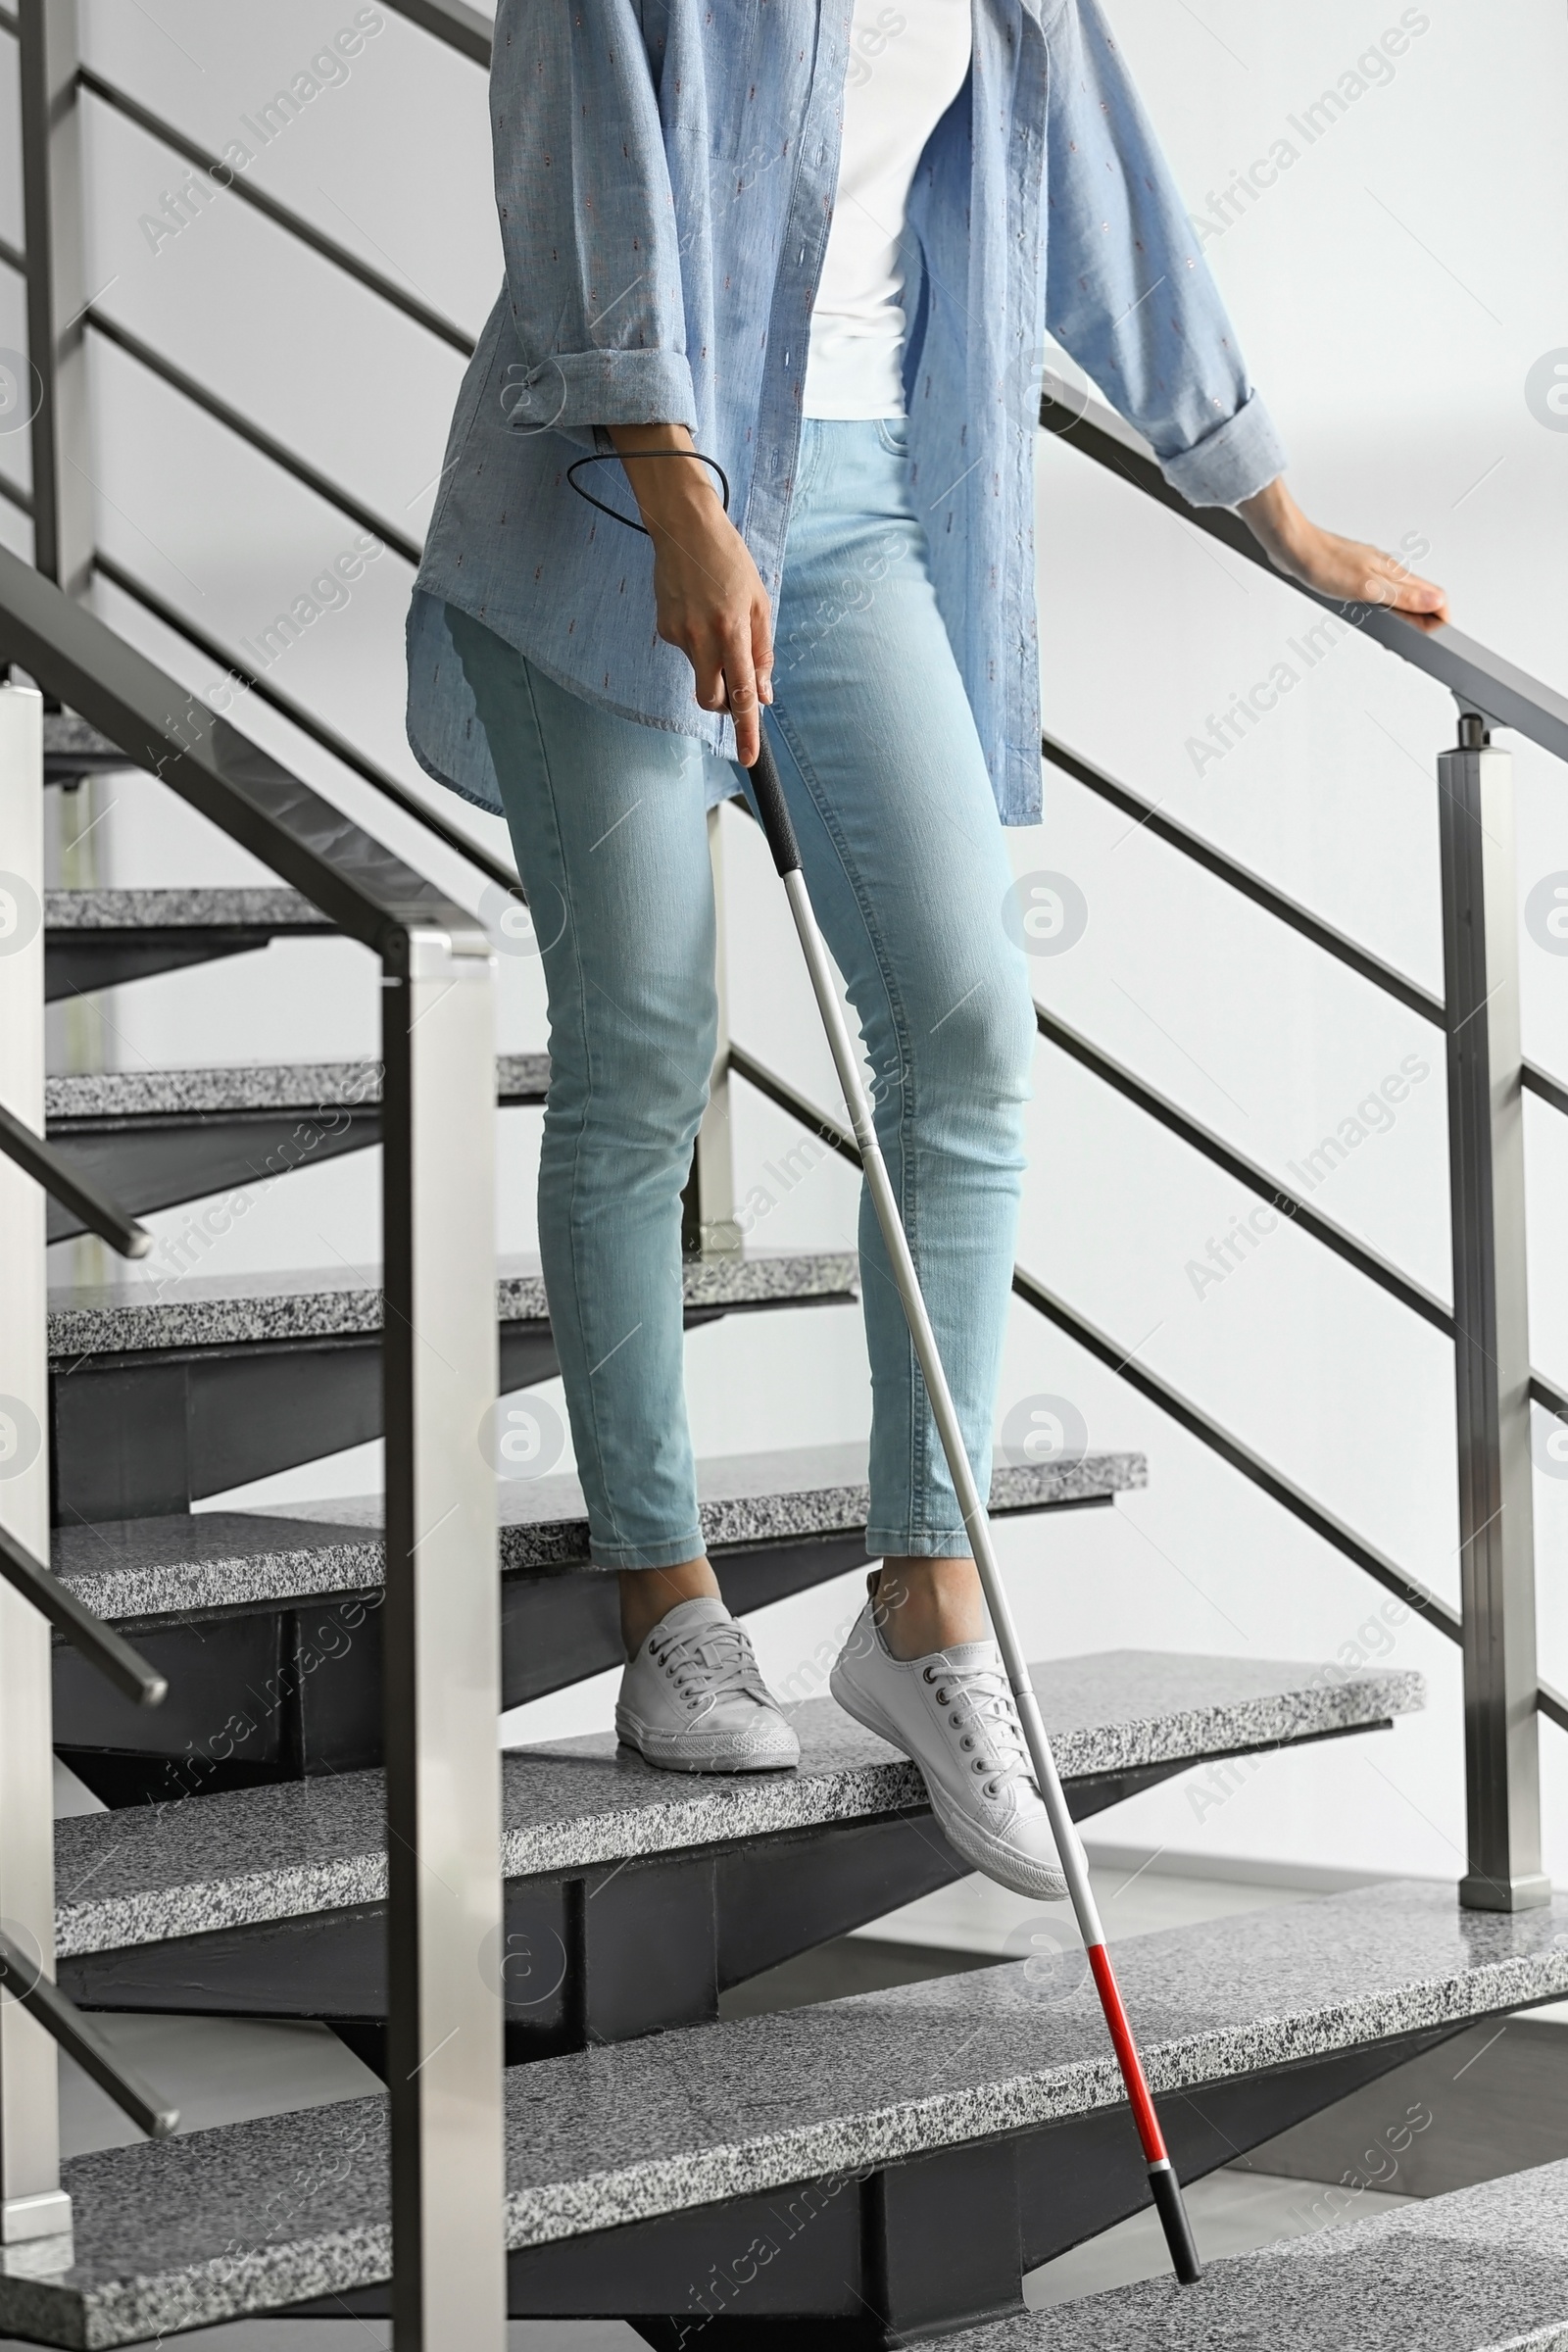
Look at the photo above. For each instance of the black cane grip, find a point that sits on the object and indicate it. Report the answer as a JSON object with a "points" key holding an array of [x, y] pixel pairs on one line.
{"points": [[774, 810], [1173, 2220]]}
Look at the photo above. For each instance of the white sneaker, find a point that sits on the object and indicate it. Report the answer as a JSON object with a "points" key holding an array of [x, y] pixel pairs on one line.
{"points": [[693, 1700], [953, 1714]]}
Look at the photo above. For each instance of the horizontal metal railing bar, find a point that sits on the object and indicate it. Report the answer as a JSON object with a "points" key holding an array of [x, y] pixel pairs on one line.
{"points": [[9, 23], [81, 2039], [1478, 678], [1274, 901], [299, 467], [63, 1182], [103, 1648], [13, 257], [784, 1096], [1177, 836], [317, 728], [1198, 1424], [357, 883], [1538, 1081], [282, 215], [1289, 1204], [15, 495], [462, 28]]}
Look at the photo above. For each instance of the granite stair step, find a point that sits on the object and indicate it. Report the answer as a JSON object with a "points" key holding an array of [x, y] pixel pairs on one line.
{"points": [[181, 1383], [156, 1137], [269, 1900], [284, 1604], [856, 2174], [72, 749], [1478, 2269], [100, 938]]}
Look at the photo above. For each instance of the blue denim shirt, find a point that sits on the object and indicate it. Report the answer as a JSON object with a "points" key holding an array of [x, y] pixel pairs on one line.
{"points": [[665, 177]]}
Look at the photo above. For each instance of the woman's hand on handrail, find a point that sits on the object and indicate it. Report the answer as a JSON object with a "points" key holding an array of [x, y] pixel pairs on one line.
{"points": [[708, 594], [1345, 569]]}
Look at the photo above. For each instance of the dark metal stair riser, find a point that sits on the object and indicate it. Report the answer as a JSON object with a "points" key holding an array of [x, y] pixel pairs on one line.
{"points": [[158, 1162], [76, 963], [868, 2261], [295, 1691], [143, 1435], [592, 1956]]}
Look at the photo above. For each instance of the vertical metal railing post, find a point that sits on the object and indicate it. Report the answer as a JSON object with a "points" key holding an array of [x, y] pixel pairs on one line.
{"points": [[1491, 1346], [442, 1646], [52, 196], [33, 2205], [707, 1204]]}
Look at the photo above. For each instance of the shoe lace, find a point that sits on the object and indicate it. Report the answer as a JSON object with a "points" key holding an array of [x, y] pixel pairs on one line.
{"points": [[709, 1663], [980, 1706]]}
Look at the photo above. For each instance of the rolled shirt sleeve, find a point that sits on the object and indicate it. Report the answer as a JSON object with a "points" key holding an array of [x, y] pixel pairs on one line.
{"points": [[1127, 291], [588, 223]]}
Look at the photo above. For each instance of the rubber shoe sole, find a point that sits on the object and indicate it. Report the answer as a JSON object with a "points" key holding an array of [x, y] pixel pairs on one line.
{"points": [[683, 1750]]}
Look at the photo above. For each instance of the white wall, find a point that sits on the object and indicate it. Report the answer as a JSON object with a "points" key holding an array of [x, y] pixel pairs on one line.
{"points": [[1393, 291]]}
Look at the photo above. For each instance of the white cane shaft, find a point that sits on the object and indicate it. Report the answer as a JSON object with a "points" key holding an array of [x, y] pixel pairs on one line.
{"points": [[1063, 1829]]}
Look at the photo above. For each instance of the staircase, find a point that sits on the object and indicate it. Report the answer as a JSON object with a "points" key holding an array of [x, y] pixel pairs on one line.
{"points": [[853, 2173], [287, 1712]]}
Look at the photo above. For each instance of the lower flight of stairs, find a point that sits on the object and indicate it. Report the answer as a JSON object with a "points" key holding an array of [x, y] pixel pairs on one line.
{"points": [[1480, 2269], [634, 1898], [850, 2175]]}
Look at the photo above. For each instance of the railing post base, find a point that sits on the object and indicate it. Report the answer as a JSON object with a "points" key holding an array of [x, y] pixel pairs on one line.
{"points": [[1477, 1893]]}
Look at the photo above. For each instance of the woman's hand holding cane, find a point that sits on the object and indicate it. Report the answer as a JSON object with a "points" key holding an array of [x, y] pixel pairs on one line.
{"points": [[708, 593]]}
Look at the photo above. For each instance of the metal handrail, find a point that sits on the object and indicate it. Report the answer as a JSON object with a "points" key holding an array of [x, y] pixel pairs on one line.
{"points": [[13, 257], [1478, 678], [358, 884], [1179, 1409], [282, 215], [98, 1211], [318, 729]]}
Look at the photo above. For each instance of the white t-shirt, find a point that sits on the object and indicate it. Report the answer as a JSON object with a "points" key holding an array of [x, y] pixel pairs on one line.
{"points": [[907, 60]]}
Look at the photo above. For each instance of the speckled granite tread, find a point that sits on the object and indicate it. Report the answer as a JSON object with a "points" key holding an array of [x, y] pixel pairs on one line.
{"points": [[267, 907], [205, 2227], [151, 1873], [67, 731], [266, 1086], [214, 1310], [147, 1568], [1481, 2269]]}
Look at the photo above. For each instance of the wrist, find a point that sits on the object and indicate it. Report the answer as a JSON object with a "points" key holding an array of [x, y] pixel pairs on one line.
{"points": [[1273, 517], [677, 485]]}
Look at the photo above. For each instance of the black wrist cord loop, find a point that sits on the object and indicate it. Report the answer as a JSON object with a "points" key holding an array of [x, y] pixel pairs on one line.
{"points": [[602, 457]]}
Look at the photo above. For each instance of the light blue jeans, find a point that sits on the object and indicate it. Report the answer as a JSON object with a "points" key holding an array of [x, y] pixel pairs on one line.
{"points": [[905, 861]]}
